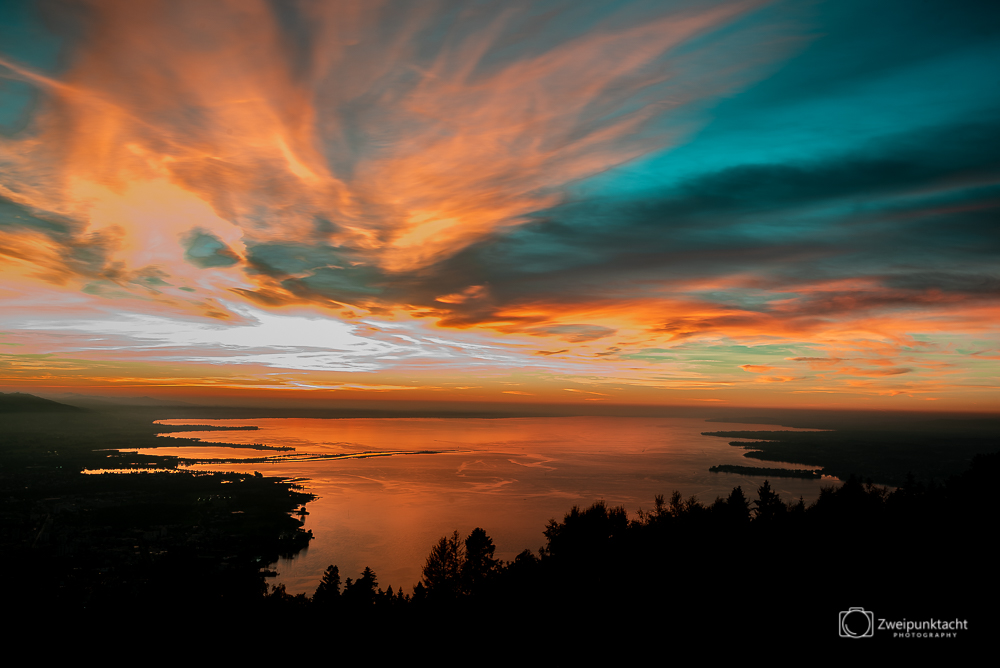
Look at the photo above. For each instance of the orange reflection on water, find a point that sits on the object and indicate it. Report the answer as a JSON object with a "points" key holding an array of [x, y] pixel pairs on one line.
{"points": [[509, 476]]}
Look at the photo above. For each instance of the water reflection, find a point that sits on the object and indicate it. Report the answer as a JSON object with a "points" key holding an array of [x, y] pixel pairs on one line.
{"points": [[432, 476]]}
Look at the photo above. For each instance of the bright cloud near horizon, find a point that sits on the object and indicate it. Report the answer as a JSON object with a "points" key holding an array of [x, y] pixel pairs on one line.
{"points": [[752, 203]]}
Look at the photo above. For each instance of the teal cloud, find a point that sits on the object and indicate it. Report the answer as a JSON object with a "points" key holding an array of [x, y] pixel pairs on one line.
{"points": [[206, 250]]}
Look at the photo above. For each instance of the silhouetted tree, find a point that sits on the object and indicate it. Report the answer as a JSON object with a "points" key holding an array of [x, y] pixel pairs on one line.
{"points": [[419, 593], [585, 534], [361, 593], [479, 565], [442, 571], [738, 506], [676, 504], [769, 504], [280, 600], [328, 591], [659, 514]]}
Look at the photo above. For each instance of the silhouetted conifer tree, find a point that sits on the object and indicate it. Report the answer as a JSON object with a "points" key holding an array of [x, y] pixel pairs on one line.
{"points": [[769, 504], [738, 506], [479, 565], [442, 571], [419, 593], [328, 591]]}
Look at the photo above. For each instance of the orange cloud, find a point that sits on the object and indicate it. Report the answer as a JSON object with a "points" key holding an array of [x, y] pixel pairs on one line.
{"points": [[856, 371], [756, 368], [775, 379], [180, 115]]}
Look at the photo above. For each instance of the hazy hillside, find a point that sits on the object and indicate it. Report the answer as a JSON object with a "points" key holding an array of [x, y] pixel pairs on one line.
{"points": [[17, 402]]}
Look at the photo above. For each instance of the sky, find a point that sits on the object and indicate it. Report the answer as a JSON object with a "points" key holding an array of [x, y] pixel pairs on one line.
{"points": [[657, 203]]}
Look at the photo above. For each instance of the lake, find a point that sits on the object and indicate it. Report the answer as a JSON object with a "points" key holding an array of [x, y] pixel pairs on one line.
{"points": [[389, 488]]}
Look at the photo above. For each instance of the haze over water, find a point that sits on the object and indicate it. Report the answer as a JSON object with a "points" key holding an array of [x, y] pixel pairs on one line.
{"points": [[509, 476]]}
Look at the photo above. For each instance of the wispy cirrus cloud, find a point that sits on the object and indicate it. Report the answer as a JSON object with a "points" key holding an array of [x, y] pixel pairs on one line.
{"points": [[381, 146]]}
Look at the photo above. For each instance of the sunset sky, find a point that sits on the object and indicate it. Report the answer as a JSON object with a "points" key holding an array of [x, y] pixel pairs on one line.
{"points": [[685, 203]]}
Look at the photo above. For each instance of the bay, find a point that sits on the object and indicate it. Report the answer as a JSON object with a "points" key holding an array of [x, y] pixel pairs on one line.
{"points": [[389, 488]]}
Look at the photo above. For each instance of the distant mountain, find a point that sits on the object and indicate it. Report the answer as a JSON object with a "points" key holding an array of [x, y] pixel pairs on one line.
{"points": [[100, 401], [17, 402]]}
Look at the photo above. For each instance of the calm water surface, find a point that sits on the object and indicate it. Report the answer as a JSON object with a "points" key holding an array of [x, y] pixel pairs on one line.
{"points": [[509, 476]]}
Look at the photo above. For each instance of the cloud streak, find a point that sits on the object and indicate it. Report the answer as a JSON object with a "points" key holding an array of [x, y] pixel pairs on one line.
{"points": [[642, 194], [395, 145]]}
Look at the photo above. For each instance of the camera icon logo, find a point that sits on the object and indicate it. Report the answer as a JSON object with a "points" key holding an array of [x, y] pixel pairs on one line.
{"points": [[857, 623]]}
